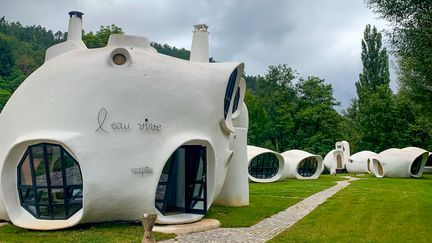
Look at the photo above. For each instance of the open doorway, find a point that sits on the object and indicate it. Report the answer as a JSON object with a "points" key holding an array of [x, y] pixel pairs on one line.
{"points": [[182, 187]]}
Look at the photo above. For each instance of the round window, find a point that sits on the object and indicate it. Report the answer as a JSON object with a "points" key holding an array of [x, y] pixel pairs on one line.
{"points": [[49, 182]]}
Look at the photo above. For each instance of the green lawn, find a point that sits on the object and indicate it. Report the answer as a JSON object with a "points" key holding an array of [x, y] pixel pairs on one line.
{"points": [[370, 210], [267, 199], [104, 232]]}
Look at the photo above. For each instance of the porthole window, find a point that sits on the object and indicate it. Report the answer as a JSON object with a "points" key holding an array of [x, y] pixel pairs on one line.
{"points": [[49, 182], [264, 166], [229, 92], [119, 59]]}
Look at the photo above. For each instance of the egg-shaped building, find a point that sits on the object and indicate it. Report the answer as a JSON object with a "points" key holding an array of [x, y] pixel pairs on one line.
{"points": [[359, 163], [300, 164], [111, 133], [337, 158], [264, 165], [406, 162]]}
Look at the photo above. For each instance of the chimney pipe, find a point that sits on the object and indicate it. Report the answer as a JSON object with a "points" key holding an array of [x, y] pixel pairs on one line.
{"points": [[75, 26], [200, 44]]}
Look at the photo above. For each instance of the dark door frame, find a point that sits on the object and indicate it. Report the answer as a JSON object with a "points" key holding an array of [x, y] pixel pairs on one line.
{"points": [[193, 159]]}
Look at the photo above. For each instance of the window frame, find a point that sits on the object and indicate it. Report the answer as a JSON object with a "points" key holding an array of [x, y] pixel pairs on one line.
{"points": [[229, 92], [267, 166], [68, 203], [309, 168]]}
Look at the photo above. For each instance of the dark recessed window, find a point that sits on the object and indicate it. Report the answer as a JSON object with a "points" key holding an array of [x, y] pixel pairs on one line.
{"points": [[264, 166], [307, 167], [49, 182], [415, 167], [236, 100], [229, 92], [429, 161]]}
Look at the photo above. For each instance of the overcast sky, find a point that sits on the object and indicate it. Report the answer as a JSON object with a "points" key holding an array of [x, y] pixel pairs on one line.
{"points": [[316, 37]]}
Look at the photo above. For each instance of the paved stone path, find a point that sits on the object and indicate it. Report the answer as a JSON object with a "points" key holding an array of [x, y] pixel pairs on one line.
{"points": [[268, 228]]}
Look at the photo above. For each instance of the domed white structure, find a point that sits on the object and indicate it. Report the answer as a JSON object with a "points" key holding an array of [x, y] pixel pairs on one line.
{"points": [[264, 165], [111, 133], [300, 164], [338, 157], [406, 162], [269, 166], [358, 163]]}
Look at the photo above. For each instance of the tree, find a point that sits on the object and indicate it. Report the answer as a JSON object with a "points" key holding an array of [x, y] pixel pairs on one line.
{"points": [[258, 121], [100, 39], [350, 127], [375, 63], [317, 123], [4, 96], [251, 82], [278, 97], [378, 118], [7, 59], [411, 39], [173, 51]]}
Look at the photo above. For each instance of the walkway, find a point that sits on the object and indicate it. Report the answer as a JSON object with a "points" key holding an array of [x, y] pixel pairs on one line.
{"points": [[268, 228]]}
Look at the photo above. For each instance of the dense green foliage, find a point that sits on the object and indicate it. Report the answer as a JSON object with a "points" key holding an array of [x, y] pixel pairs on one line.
{"points": [[381, 119], [268, 199], [100, 38], [103, 232], [171, 51], [21, 52], [370, 210], [284, 115], [411, 40], [375, 63]]}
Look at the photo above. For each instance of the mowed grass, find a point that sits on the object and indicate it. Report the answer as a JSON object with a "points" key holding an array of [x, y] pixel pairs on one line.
{"points": [[93, 233], [370, 210], [266, 199]]}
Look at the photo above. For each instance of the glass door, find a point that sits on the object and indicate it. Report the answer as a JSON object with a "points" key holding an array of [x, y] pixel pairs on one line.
{"points": [[182, 187], [196, 177]]}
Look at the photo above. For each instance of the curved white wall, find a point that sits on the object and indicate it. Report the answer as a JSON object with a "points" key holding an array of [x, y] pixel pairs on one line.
{"points": [[293, 159], [400, 162], [253, 151], [338, 157], [64, 98], [235, 191], [358, 163]]}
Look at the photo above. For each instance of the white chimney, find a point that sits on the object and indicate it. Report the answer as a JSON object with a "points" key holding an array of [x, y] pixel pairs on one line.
{"points": [[200, 44], [75, 26]]}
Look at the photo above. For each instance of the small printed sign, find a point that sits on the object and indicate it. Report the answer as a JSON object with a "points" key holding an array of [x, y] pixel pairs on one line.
{"points": [[142, 170]]}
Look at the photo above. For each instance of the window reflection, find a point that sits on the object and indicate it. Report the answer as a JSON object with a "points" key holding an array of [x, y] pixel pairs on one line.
{"points": [[49, 182]]}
